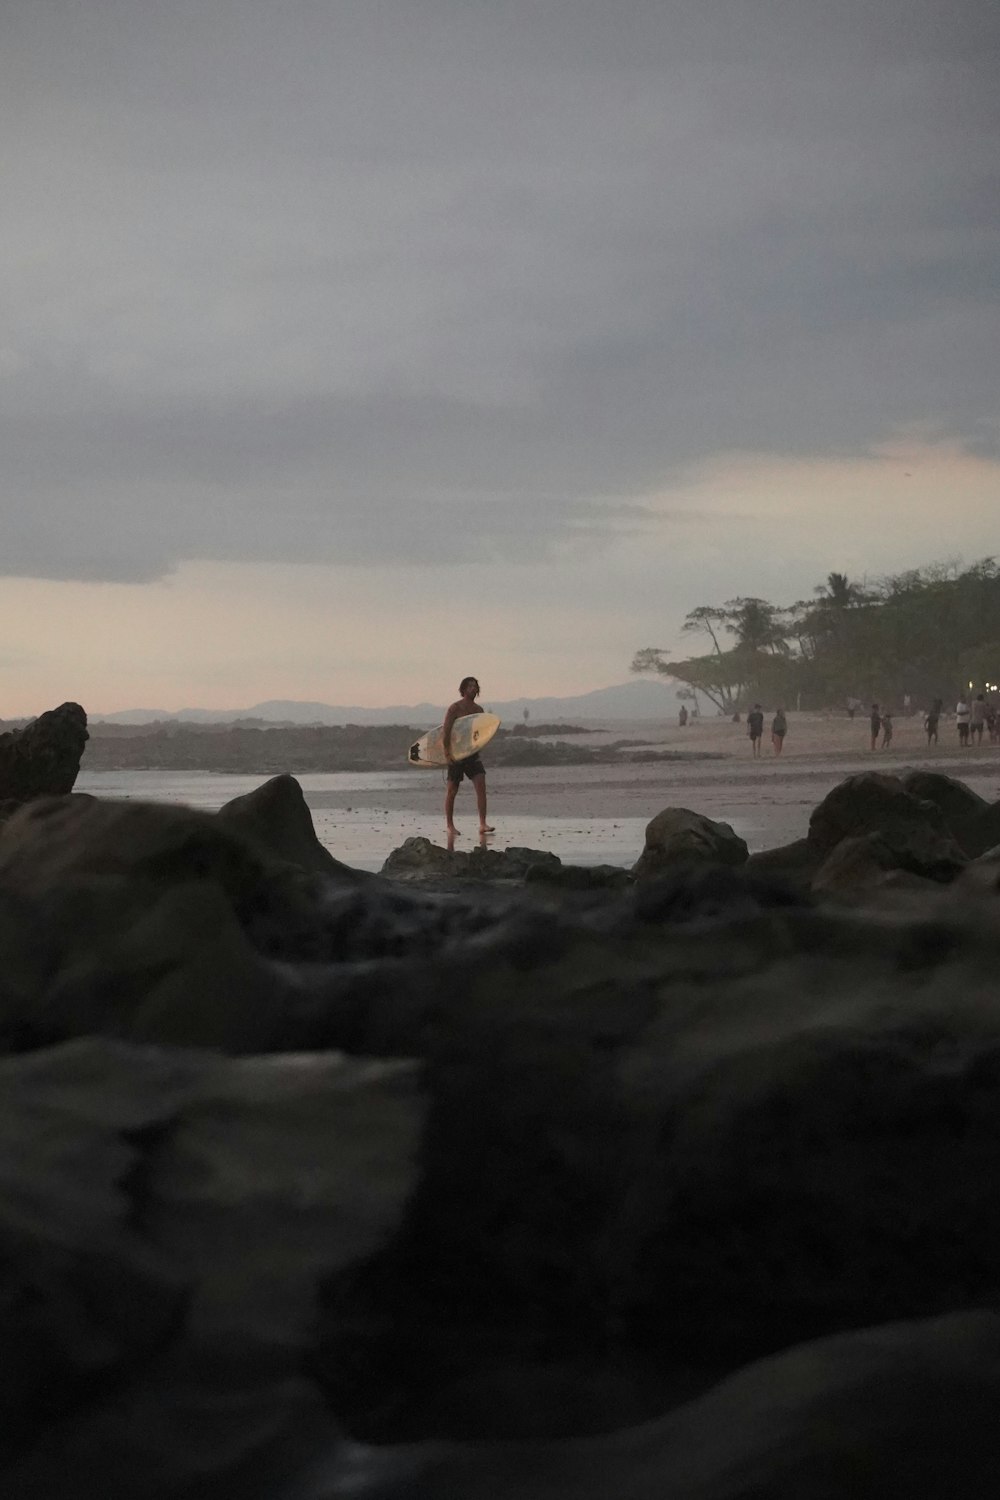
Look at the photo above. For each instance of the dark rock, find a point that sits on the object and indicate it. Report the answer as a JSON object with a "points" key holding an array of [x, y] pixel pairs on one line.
{"points": [[871, 803], [677, 836], [883, 1413], [161, 924], [859, 865], [793, 864], [669, 1132], [718, 894], [953, 799], [979, 831], [169, 1218], [43, 758], [696, 1141], [419, 859], [578, 877], [276, 818]]}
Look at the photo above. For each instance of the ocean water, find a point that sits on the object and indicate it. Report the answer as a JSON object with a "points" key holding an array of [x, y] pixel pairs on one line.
{"points": [[362, 816]]}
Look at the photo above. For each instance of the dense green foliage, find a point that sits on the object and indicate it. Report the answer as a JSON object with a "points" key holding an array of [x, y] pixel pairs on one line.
{"points": [[928, 633]]}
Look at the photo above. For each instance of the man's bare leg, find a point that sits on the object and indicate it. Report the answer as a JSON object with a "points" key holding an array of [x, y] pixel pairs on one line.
{"points": [[451, 793], [479, 782]]}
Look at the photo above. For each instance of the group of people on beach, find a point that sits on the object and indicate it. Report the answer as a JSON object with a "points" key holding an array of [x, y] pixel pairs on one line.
{"points": [[972, 719], [755, 730]]}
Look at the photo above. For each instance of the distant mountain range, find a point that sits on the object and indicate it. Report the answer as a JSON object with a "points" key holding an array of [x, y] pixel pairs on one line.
{"points": [[639, 699]]}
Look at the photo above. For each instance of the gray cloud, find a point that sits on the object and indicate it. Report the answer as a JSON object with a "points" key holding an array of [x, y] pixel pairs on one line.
{"points": [[383, 281]]}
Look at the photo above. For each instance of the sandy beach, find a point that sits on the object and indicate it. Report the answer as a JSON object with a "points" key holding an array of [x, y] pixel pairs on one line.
{"points": [[597, 814]]}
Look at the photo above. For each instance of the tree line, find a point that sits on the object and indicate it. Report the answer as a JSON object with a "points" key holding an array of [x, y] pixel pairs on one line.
{"points": [[927, 633]]}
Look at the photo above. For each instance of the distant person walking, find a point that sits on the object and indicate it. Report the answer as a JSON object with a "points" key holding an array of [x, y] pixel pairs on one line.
{"points": [[472, 766], [875, 724], [779, 728], [963, 716], [931, 718], [886, 729], [977, 722], [755, 729], [682, 717]]}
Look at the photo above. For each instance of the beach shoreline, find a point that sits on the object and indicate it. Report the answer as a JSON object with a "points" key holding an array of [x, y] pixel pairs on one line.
{"points": [[596, 814]]}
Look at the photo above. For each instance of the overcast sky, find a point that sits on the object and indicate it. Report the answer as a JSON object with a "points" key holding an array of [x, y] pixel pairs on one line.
{"points": [[349, 346]]}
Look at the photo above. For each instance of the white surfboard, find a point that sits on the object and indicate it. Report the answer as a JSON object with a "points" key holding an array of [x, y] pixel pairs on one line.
{"points": [[468, 734]]}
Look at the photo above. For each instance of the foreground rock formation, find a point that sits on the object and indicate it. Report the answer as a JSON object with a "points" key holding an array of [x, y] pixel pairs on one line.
{"points": [[43, 758], [318, 1186]]}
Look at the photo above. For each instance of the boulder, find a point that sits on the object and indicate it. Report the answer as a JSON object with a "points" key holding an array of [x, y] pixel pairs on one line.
{"points": [[858, 866], [953, 799], [43, 758], [979, 831], [873, 803], [167, 1221], [276, 819], [793, 865], [420, 859], [562, 877], [162, 924], [691, 1142], [677, 836], [882, 1413]]}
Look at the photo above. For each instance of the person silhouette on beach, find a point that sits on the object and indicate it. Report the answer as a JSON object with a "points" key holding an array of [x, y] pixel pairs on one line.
{"points": [[755, 729], [472, 766]]}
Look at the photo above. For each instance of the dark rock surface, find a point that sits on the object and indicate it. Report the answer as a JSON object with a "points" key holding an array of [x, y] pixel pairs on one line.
{"points": [[871, 861], [420, 859], [43, 758], [888, 1413], [162, 924], [276, 819], [674, 1135], [979, 831], [873, 803], [953, 799], [167, 1220], [677, 836]]}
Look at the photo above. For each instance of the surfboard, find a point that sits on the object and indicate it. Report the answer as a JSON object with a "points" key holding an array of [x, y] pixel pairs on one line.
{"points": [[468, 734]]}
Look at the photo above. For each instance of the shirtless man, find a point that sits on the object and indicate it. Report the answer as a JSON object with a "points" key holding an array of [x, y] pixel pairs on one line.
{"points": [[472, 766]]}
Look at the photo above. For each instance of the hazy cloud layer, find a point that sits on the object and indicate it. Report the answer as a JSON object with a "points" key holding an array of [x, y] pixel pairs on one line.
{"points": [[434, 280]]}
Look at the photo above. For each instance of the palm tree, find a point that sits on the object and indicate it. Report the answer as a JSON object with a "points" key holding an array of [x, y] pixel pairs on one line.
{"points": [[838, 592]]}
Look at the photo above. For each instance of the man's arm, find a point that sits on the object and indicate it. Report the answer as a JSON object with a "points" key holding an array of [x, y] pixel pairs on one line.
{"points": [[449, 720]]}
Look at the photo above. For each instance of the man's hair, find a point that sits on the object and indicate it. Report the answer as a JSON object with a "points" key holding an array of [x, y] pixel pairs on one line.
{"points": [[465, 683]]}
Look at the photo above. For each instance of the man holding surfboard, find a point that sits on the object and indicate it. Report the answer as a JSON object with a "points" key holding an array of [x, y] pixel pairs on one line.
{"points": [[471, 766]]}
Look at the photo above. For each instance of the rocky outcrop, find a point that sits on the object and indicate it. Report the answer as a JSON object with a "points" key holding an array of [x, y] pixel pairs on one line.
{"points": [[953, 799], [871, 825], [677, 836], [274, 818], [703, 1189], [162, 924], [166, 1223], [886, 1413], [43, 758], [420, 859], [871, 803]]}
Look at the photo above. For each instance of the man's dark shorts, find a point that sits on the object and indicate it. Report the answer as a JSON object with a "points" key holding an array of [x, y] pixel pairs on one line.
{"points": [[471, 767]]}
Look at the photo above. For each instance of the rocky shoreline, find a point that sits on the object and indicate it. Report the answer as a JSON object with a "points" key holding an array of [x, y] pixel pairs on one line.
{"points": [[489, 1177]]}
